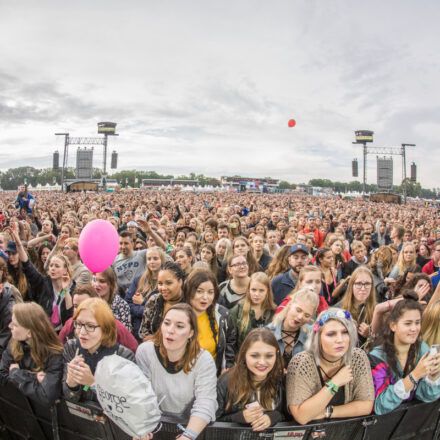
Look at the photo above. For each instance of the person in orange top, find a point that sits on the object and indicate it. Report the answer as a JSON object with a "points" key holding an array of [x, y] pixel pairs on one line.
{"points": [[311, 228]]}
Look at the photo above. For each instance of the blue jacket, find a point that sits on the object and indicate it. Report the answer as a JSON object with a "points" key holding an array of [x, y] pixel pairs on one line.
{"points": [[389, 391], [136, 311], [282, 285], [299, 344], [24, 204]]}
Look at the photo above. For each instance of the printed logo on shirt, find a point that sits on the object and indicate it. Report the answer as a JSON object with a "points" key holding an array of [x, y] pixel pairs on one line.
{"points": [[124, 266]]}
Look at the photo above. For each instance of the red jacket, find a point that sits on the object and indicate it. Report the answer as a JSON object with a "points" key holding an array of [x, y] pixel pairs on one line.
{"points": [[124, 337], [428, 268], [319, 236]]}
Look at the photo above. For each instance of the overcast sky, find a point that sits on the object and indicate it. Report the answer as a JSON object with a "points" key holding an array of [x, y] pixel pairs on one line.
{"points": [[209, 86]]}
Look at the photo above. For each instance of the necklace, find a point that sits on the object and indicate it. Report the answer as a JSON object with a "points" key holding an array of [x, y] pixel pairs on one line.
{"points": [[331, 362], [334, 374]]}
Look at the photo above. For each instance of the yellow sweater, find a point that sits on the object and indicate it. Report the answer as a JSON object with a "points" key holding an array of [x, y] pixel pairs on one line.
{"points": [[206, 338]]}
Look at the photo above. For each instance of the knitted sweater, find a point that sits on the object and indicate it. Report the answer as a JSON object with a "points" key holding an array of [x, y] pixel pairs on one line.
{"points": [[303, 379]]}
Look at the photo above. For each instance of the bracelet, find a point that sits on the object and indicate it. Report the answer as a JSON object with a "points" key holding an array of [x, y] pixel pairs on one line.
{"points": [[411, 378], [328, 412], [331, 387], [389, 304], [187, 432]]}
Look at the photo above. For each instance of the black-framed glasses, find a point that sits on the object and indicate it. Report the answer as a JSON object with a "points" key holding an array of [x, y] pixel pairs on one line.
{"points": [[360, 285], [90, 328]]}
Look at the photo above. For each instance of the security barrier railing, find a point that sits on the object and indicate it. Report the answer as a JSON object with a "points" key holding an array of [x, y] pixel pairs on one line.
{"points": [[21, 418]]}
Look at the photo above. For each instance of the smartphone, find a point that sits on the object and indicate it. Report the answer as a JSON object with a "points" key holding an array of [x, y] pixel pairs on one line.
{"points": [[252, 404], [435, 349]]}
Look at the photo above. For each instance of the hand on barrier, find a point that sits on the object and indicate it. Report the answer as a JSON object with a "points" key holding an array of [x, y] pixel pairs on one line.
{"points": [[261, 423], [344, 376], [252, 413]]}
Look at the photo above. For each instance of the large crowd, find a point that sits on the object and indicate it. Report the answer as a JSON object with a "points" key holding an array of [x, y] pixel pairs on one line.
{"points": [[247, 308]]}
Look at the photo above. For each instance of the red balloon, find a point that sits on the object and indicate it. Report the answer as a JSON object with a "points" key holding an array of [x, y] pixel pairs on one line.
{"points": [[291, 123]]}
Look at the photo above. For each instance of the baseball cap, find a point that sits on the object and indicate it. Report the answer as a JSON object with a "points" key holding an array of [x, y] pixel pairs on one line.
{"points": [[298, 247]]}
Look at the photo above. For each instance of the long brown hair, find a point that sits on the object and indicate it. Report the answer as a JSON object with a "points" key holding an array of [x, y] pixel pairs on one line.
{"points": [[213, 263], [17, 278], [280, 263], [192, 351], [268, 304], [110, 278], [240, 384], [43, 341], [348, 301]]}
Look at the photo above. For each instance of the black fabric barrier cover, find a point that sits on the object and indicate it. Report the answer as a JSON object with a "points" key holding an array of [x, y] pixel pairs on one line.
{"points": [[21, 418]]}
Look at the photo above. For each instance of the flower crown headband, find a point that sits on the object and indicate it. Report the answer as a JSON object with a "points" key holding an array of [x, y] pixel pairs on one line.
{"points": [[341, 314]]}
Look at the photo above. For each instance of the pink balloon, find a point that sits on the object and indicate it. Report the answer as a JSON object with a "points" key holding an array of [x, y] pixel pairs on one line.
{"points": [[98, 245]]}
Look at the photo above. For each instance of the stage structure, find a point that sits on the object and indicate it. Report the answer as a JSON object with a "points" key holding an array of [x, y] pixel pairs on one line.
{"points": [[84, 163], [363, 137], [384, 173], [105, 128]]}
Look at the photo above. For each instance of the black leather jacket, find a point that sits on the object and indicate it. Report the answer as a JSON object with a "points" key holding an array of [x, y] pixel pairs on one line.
{"points": [[235, 412], [78, 393], [6, 304], [226, 339], [25, 379], [42, 292]]}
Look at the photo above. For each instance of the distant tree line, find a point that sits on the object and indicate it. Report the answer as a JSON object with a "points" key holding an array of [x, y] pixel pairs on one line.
{"points": [[13, 177]]}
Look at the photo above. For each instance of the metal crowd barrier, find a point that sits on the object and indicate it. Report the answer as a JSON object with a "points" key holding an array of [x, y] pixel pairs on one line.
{"points": [[21, 418]]}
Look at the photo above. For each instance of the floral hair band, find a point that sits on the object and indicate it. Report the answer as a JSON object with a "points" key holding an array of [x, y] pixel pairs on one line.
{"points": [[341, 314]]}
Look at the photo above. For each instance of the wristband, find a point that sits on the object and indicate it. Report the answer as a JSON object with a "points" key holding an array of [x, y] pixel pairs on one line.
{"points": [[411, 378], [331, 387], [187, 432], [389, 304]]}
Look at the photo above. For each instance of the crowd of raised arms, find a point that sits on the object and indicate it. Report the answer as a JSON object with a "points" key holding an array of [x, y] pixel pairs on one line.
{"points": [[248, 308]]}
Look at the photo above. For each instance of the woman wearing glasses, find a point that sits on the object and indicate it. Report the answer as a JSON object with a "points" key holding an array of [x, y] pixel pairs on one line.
{"points": [[360, 301], [95, 330], [234, 289]]}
